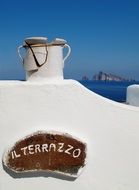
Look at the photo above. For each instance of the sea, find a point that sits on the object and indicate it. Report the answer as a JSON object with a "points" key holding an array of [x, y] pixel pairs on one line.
{"points": [[110, 89]]}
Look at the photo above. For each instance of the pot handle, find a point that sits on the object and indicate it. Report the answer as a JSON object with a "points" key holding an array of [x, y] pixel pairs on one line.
{"points": [[18, 50], [69, 51]]}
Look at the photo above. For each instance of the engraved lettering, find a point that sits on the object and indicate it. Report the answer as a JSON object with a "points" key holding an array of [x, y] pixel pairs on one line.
{"points": [[76, 153], [31, 149], [15, 155], [37, 148], [68, 149], [44, 147], [24, 149], [61, 145], [12, 154], [52, 145]]}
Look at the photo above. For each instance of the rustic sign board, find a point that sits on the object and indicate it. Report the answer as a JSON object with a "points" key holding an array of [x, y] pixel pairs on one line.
{"points": [[47, 151]]}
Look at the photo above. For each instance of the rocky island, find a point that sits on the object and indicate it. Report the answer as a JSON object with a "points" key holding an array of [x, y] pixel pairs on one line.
{"points": [[103, 76], [109, 77]]}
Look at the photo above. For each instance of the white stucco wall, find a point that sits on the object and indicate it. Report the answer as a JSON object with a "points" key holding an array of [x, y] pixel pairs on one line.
{"points": [[110, 129]]}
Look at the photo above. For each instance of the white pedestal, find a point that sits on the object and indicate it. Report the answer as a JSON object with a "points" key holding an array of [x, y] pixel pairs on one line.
{"points": [[133, 95]]}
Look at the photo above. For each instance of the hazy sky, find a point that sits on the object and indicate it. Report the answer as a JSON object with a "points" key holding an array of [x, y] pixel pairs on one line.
{"points": [[103, 34]]}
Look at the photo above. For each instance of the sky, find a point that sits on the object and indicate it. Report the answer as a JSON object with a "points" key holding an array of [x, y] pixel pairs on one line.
{"points": [[103, 34]]}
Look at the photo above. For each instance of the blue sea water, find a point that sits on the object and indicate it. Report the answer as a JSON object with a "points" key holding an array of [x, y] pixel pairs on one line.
{"points": [[110, 89]]}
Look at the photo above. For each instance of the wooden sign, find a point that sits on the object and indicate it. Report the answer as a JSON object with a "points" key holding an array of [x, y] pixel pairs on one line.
{"points": [[43, 151]]}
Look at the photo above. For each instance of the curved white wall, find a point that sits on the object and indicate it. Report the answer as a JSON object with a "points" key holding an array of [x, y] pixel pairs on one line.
{"points": [[110, 129]]}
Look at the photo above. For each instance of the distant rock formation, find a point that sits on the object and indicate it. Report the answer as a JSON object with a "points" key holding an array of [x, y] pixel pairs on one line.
{"points": [[102, 76], [85, 78]]}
